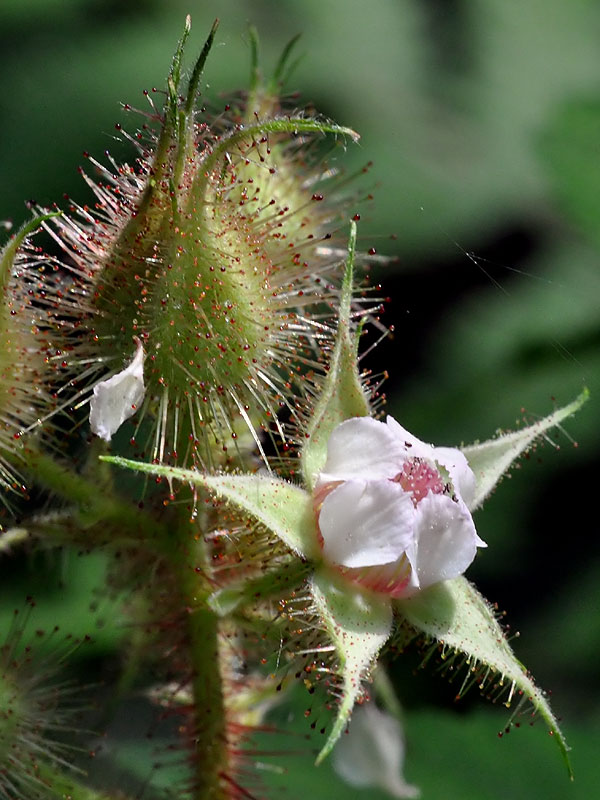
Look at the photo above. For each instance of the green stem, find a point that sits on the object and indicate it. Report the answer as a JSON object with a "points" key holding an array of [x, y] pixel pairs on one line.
{"points": [[210, 752], [96, 505]]}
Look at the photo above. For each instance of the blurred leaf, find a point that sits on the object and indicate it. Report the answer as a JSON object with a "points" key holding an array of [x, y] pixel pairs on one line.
{"points": [[569, 149], [449, 754], [518, 766], [502, 354], [19, 11], [572, 619], [75, 600]]}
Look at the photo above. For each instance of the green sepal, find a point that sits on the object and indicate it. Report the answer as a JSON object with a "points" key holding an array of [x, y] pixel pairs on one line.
{"points": [[490, 460], [284, 509], [342, 395], [174, 145], [292, 125], [184, 115], [281, 73], [255, 77], [283, 69], [174, 77], [456, 615], [194, 83], [359, 626]]}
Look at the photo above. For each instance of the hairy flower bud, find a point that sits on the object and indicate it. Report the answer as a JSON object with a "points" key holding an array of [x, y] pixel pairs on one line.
{"points": [[208, 251], [36, 711], [24, 346]]}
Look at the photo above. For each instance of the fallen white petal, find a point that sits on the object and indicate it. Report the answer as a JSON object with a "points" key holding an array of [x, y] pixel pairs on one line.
{"points": [[371, 754], [118, 398]]}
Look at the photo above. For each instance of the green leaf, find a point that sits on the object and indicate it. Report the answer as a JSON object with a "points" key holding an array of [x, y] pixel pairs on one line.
{"points": [[359, 626], [284, 509], [455, 614], [342, 396], [490, 460]]}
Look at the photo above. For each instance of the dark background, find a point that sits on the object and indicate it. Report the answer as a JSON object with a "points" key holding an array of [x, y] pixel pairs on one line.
{"points": [[482, 118]]}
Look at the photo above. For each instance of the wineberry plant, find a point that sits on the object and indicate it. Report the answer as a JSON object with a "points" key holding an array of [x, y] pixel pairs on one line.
{"points": [[181, 392]]}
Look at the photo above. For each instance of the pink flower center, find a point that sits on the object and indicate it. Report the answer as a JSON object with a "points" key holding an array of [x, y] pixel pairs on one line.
{"points": [[418, 478]]}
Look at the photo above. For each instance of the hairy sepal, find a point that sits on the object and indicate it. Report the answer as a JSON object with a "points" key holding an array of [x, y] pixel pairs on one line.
{"points": [[343, 395], [359, 626], [282, 508], [490, 460], [456, 615]]}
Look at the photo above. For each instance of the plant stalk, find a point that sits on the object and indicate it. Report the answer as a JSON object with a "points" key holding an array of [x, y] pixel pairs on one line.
{"points": [[208, 728]]}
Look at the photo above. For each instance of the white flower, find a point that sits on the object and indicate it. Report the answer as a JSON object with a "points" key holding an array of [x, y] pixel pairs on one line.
{"points": [[395, 509], [371, 754], [117, 398]]}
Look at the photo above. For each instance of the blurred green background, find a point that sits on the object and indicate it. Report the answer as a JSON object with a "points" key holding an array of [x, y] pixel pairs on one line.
{"points": [[482, 118]]}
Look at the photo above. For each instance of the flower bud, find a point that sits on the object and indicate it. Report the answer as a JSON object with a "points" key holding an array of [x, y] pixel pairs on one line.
{"points": [[34, 708], [25, 291], [208, 252]]}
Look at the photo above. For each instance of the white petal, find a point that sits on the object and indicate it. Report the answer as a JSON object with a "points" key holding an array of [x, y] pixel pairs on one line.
{"points": [[117, 398], [371, 754], [412, 447], [361, 447], [461, 474], [364, 523], [445, 540]]}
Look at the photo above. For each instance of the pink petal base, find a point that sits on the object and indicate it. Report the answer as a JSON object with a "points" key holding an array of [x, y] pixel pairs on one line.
{"points": [[389, 579]]}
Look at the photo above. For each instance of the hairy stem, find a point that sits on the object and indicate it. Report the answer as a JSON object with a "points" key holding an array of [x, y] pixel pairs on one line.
{"points": [[99, 502], [208, 728]]}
